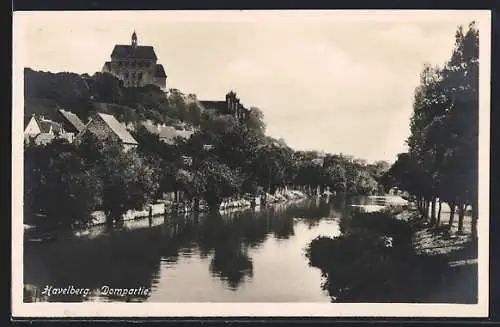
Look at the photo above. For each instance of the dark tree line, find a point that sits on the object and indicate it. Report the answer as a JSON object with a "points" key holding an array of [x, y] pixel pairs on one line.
{"points": [[64, 183], [67, 182], [441, 164], [44, 92]]}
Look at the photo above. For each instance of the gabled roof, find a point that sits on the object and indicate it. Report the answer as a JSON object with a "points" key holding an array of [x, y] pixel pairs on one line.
{"points": [[26, 123], [117, 128], [160, 71], [72, 119], [137, 52], [45, 126]]}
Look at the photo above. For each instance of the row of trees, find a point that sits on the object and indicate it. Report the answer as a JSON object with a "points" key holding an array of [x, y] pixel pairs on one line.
{"points": [[66, 182], [242, 159], [441, 164]]}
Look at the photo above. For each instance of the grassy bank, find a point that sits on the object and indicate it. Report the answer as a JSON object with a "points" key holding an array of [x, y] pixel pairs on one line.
{"points": [[384, 258]]}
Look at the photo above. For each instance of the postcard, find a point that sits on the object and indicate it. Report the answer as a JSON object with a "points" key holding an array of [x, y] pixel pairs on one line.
{"points": [[251, 163]]}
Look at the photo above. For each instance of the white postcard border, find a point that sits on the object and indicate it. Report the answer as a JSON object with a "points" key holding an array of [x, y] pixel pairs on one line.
{"points": [[20, 309]]}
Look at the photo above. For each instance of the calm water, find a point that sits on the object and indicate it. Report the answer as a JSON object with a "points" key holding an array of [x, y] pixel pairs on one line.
{"points": [[255, 255]]}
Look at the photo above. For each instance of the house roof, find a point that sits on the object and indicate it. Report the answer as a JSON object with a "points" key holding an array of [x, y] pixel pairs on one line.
{"points": [[26, 123], [137, 52], [118, 128], [72, 119], [44, 138], [168, 133], [160, 71], [45, 126]]}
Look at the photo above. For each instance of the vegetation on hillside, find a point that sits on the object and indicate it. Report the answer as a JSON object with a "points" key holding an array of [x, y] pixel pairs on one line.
{"points": [[242, 159], [84, 95]]}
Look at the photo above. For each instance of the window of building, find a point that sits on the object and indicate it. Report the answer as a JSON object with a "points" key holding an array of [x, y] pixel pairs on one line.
{"points": [[126, 75], [139, 76]]}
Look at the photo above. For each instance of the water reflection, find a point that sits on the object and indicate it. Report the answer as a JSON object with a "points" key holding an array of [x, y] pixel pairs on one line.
{"points": [[138, 253]]}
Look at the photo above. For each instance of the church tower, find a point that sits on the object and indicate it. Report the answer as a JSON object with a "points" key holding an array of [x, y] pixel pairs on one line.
{"points": [[134, 40]]}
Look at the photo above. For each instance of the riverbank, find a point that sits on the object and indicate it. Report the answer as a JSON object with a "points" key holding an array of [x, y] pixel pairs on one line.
{"points": [[459, 284], [390, 254], [165, 208]]}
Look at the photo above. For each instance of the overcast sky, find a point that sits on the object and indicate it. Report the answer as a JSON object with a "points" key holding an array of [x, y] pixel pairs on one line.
{"points": [[333, 81]]}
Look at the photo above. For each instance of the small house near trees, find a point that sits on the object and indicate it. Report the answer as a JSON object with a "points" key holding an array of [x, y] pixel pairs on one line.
{"points": [[43, 131], [105, 126]]}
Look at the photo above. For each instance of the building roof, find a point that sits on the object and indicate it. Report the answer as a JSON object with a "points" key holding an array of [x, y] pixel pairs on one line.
{"points": [[44, 138], [220, 106], [137, 52], [118, 128], [168, 134], [160, 71], [45, 125], [72, 119]]}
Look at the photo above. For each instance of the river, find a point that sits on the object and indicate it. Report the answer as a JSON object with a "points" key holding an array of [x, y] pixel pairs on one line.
{"points": [[255, 255]]}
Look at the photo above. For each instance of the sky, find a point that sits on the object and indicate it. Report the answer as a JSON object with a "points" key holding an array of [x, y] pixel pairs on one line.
{"points": [[333, 81]]}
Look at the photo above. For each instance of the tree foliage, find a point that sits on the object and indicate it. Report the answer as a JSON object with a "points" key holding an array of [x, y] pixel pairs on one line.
{"points": [[443, 145]]}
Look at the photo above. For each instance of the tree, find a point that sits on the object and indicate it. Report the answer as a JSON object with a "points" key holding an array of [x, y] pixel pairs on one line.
{"points": [[59, 185], [443, 145], [255, 120], [128, 181], [461, 82], [215, 181]]}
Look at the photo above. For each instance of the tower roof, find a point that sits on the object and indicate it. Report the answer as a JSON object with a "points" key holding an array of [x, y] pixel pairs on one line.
{"points": [[138, 52]]}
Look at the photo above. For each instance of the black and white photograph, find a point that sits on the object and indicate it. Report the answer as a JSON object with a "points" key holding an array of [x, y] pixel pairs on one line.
{"points": [[251, 163]]}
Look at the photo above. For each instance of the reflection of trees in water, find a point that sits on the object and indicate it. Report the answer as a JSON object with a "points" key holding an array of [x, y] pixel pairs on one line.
{"points": [[313, 211], [127, 259], [231, 265], [131, 256]]}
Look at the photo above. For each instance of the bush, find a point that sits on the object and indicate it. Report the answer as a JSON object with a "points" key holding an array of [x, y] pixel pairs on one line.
{"points": [[361, 267], [378, 224]]}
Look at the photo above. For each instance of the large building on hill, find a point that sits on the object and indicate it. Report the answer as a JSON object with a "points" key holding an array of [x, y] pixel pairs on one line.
{"points": [[136, 65], [231, 106]]}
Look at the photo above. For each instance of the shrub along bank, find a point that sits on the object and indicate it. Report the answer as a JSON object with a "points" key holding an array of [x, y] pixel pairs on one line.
{"points": [[373, 260]]}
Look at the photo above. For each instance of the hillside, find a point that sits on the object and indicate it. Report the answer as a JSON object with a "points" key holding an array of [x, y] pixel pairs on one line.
{"points": [[45, 92]]}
